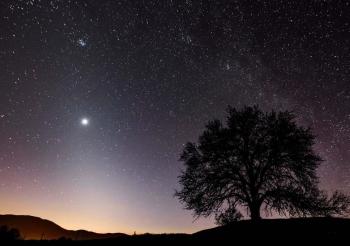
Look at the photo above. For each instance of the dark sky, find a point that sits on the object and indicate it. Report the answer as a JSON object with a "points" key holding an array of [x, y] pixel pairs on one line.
{"points": [[147, 76]]}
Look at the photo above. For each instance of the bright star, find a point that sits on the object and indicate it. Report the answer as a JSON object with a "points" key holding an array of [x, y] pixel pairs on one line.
{"points": [[84, 121]]}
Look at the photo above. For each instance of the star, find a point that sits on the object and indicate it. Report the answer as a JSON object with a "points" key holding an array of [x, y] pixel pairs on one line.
{"points": [[84, 121], [81, 42]]}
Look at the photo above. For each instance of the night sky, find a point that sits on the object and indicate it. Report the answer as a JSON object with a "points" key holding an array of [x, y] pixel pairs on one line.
{"points": [[97, 98]]}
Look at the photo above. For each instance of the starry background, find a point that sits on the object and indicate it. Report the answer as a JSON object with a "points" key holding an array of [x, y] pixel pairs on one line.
{"points": [[148, 75]]}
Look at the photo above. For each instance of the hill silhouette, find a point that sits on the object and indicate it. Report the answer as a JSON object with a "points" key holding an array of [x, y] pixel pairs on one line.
{"points": [[266, 231], [36, 228], [280, 230]]}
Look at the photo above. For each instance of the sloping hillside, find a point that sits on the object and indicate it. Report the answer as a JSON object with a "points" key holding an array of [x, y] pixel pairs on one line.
{"points": [[295, 230], [32, 227]]}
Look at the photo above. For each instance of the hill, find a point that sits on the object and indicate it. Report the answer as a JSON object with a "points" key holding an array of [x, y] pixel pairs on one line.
{"points": [[32, 227], [280, 230], [270, 231]]}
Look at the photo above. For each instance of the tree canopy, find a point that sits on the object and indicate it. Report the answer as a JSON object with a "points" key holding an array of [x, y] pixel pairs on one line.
{"points": [[257, 160]]}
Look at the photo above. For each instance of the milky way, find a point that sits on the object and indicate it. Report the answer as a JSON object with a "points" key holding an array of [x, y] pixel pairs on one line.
{"points": [[148, 75]]}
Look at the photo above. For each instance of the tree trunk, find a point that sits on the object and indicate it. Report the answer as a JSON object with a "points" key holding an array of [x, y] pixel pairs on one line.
{"points": [[255, 212]]}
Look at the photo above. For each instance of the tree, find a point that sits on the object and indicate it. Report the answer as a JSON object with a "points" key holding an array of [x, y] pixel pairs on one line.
{"points": [[228, 216], [257, 160], [7, 234]]}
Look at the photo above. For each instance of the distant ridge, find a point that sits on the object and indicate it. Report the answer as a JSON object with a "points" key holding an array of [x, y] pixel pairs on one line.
{"points": [[32, 227]]}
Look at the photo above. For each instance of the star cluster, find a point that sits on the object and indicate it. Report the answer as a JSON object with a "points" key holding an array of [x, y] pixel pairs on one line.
{"points": [[147, 75]]}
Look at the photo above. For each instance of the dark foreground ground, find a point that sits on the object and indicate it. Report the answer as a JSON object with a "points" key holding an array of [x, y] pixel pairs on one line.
{"points": [[277, 231]]}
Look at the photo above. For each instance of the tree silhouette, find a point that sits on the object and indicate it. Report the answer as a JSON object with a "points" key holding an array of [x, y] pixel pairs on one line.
{"points": [[257, 160], [7, 234], [228, 216]]}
